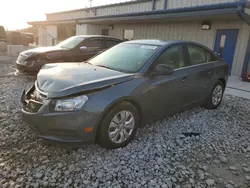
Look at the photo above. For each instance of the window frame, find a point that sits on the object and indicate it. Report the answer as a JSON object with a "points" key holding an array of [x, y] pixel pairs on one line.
{"points": [[167, 48], [92, 48]]}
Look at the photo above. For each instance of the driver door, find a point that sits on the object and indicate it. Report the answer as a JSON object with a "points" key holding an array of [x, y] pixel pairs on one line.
{"points": [[164, 92], [93, 47]]}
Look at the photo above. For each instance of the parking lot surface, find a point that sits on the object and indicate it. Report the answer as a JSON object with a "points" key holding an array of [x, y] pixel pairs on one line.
{"points": [[196, 148]]}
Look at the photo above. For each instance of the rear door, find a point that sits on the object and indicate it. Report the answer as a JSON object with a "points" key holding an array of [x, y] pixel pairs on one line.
{"points": [[94, 46], [199, 74]]}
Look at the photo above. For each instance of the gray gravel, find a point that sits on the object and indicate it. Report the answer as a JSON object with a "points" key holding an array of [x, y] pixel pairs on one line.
{"points": [[160, 156]]}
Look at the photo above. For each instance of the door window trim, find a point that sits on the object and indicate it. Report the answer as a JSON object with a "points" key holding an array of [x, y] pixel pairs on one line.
{"points": [[211, 62]]}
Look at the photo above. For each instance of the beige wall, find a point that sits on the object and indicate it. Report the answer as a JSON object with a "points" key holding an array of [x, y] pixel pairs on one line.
{"points": [[186, 31], [46, 34], [42, 40], [51, 34]]}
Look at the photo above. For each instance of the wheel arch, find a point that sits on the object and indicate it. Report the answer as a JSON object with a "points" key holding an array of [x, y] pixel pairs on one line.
{"points": [[223, 81]]}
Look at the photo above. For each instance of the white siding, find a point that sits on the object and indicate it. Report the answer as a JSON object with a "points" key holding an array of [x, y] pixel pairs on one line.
{"points": [[130, 8], [42, 40], [70, 15], [159, 4], [247, 10], [189, 3], [122, 9], [82, 29], [190, 31], [241, 49], [51, 34], [103, 11]]}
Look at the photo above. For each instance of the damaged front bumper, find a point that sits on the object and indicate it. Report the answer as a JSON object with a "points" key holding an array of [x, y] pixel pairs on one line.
{"points": [[56, 126]]}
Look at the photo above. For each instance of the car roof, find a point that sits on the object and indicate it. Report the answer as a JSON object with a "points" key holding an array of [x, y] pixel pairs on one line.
{"points": [[165, 42], [97, 36], [151, 42]]}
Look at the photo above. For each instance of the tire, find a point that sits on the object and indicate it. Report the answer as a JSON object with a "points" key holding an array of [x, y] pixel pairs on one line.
{"points": [[118, 126], [209, 103]]}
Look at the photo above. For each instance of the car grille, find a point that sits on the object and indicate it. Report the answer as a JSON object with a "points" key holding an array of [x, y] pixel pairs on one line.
{"points": [[34, 101], [21, 58]]}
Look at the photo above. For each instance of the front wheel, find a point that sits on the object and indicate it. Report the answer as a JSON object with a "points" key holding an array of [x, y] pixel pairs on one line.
{"points": [[119, 126], [215, 97]]}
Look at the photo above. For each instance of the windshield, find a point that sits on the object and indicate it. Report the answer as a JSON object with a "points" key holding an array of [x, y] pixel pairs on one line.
{"points": [[125, 57], [70, 43]]}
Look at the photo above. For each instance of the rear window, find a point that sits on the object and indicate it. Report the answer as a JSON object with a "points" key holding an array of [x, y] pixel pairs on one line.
{"points": [[110, 43]]}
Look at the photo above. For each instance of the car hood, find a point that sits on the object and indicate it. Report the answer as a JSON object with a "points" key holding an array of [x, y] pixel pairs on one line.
{"points": [[41, 50], [64, 79]]}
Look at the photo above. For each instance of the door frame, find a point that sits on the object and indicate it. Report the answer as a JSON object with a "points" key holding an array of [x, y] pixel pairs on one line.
{"points": [[216, 38], [247, 58]]}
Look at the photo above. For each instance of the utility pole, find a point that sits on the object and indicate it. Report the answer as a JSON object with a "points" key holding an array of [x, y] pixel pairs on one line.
{"points": [[90, 3]]}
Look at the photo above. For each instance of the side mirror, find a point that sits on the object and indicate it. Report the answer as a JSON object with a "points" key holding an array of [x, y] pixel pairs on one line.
{"points": [[162, 69], [83, 48]]}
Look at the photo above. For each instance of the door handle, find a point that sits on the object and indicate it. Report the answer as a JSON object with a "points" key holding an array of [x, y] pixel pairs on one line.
{"points": [[210, 72], [183, 79]]}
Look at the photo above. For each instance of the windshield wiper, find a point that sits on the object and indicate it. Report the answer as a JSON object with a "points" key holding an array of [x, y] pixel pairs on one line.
{"points": [[88, 62], [104, 66]]}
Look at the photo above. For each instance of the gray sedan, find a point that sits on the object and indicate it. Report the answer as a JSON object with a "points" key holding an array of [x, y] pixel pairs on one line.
{"points": [[107, 98]]}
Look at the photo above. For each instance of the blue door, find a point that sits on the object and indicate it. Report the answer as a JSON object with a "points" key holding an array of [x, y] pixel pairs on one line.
{"points": [[225, 44]]}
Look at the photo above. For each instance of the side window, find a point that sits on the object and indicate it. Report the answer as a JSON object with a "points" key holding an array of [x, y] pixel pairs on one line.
{"points": [[110, 43], [197, 54], [95, 44], [172, 57], [211, 57]]}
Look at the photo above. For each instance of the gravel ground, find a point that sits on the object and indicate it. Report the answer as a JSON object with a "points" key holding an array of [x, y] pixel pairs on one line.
{"points": [[160, 156]]}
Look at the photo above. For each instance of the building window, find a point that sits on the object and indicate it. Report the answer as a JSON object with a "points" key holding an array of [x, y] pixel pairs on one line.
{"points": [[128, 34]]}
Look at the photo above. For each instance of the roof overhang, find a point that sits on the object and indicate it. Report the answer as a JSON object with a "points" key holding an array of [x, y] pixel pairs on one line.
{"points": [[201, 12], [210, 12], [41, 23]]}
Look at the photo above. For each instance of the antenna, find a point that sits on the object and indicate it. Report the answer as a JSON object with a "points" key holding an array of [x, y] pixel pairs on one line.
{"points": [[90, 3]]}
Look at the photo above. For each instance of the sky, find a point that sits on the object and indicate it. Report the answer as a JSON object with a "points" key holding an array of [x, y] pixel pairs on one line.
{"points": [[14, 14]]}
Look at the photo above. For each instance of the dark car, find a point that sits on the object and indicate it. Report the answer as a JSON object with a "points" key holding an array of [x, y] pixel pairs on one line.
{"points": [[74, 49], [107, 98]]}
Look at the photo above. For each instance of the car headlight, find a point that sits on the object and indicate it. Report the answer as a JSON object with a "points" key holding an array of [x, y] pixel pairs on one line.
{"points": [[27, 54], [71, 104]]}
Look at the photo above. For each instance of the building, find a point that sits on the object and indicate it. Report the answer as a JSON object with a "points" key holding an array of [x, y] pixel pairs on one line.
{"points": [[222, 25]]}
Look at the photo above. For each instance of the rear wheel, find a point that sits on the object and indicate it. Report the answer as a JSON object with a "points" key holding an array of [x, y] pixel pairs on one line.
{"points": [[119, 126], [215, 97]]}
